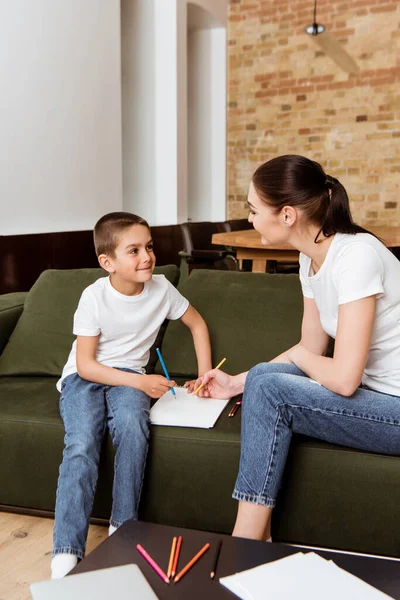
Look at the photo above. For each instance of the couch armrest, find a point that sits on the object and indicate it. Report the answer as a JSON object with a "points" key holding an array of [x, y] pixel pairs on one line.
{"points": [[11, 307]]}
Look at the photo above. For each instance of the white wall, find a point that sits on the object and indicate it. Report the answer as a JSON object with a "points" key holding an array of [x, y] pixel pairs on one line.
{"points": [[155, 106], [138, 89], [60, 114], [173, 160], [207, 124]]}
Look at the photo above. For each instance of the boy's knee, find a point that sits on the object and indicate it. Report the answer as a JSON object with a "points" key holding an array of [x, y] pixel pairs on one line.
{"points": [[83, 445], [133, 421]]}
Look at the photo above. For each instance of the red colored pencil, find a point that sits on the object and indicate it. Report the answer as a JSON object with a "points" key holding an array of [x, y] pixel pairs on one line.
{"points": [[192, 562]]}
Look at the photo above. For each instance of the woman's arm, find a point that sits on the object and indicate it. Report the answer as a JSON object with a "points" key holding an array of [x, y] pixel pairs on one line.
{"points": [[342, 374], [90, 369], [220, 385], [201, 339]]}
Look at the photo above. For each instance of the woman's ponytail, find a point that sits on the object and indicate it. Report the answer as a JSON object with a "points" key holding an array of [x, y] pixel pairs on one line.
{"points": [[338, 218], [302, 183]]}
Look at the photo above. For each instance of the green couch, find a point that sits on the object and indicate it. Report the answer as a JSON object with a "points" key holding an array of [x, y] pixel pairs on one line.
{"points": [[331, 496]]}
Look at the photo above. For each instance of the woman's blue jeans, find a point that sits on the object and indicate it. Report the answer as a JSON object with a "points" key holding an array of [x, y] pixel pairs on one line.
{"points": [[279, 399], [87, 409]]}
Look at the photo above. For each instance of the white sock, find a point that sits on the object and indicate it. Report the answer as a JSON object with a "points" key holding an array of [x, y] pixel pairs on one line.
{"points": [[62, 564], [269, 539], [111, 530]]}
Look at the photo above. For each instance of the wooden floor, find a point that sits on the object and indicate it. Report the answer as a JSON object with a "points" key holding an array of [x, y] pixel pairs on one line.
{"points": [[25, 552]]}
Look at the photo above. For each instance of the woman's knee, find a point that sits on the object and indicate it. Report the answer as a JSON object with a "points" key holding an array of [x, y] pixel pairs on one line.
{"points": [[267, 390], [257, 370], [269, 368]]}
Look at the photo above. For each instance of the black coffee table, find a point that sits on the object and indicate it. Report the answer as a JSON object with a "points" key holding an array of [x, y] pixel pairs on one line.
{"points": [[237, 554]]}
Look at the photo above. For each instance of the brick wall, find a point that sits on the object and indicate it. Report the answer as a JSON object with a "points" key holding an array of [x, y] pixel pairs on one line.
{"points": [[287, 96]]}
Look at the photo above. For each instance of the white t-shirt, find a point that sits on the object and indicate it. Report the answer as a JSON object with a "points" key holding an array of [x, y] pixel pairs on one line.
{"points": [[128, 325], [355, 267]]}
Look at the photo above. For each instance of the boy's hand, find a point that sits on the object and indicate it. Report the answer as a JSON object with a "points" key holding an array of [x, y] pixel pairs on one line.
{"points": [[192, 385], [154, 385]]}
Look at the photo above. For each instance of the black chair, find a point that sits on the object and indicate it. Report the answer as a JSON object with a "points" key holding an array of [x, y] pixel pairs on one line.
{"points": [[273, 266], [235, 225], [396, 251], [198, 250]]}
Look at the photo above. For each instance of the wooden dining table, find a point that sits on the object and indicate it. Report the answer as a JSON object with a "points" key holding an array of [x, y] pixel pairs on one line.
{"points": [[248, 245]]}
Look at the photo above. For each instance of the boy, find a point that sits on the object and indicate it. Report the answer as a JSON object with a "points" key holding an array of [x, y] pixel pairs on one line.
{"points": [[104, 384]]}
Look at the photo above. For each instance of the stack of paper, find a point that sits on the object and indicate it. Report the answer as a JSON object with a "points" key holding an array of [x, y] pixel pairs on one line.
{"points": [[300, 576], [184, 410], [125, 583]]}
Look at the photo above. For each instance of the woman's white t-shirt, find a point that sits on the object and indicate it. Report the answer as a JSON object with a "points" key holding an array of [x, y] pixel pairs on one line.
{"points": [[128, 325], [355, 267]]}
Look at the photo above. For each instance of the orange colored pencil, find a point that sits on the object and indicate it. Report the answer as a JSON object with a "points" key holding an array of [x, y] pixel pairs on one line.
{"points": [[171, 557], [191, 563], [176, 558]]}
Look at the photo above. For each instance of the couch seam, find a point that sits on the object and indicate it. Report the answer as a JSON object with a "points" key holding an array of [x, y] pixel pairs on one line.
{"points": [[30, 422], [3, 310]]}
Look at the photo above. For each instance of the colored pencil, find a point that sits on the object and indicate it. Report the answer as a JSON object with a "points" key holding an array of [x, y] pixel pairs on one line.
{"points": [[164, 369], [235, 408], [171, 557], [202, 384], [152, 563], [191, 562], [214, 568], [176, 558]]}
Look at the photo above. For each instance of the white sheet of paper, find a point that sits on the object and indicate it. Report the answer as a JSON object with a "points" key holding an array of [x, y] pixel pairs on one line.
{"points": [[184, 410], [303, 576], [125, 583]]}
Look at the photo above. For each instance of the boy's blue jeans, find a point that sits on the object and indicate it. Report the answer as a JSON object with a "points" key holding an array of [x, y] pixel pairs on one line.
{"points": [[279, 399], [87, 409]]}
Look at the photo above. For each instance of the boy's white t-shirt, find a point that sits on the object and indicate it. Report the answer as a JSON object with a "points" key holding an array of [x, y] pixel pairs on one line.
{"points": [[128, 325], [355, 267]]}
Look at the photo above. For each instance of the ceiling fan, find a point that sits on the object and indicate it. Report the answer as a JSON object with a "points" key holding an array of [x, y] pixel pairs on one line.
{"points": [[331, 46]]}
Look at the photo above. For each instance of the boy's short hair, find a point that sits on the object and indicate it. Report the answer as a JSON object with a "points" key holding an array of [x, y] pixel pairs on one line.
{"points": [[109, 228]]}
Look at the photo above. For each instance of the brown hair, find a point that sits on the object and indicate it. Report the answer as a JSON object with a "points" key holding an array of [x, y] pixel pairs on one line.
{"points": [[108, 229], [292, 180]]}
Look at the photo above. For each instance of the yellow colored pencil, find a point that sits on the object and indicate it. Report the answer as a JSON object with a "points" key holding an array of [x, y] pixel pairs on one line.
{"points": [[202, 384]]}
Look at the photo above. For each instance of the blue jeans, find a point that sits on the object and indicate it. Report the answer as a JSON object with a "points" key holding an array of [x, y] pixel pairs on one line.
{"points": [[279, 399], [87, 409]]}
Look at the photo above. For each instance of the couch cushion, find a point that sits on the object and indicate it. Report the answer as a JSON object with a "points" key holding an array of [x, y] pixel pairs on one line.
{"points": [[11, 307], [339, 498], [251, 318], [346, 499], [43, 336], [31, 437]]}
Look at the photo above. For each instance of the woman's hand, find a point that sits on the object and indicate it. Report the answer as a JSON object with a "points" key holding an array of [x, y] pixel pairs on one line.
{"points": [[217, 384]]}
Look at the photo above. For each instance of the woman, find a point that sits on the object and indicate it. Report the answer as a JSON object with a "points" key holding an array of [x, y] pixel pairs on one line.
{"points": [[351, 289]]}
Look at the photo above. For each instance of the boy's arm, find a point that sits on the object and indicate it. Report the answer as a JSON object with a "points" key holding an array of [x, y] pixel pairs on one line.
{"points": [[199, 330], [90, 369]]}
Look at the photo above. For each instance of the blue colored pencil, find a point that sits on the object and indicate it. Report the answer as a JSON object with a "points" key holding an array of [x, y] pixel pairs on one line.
{"points": [[164, 368]]}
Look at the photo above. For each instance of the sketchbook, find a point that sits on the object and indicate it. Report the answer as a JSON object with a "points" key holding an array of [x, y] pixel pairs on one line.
{"points": [[302, 576], [184, 410], [125, 583]]}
